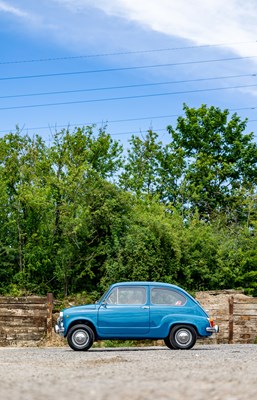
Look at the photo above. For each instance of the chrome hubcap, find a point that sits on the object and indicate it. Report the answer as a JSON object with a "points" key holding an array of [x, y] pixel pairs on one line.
{"points": [[183, 337], [80, 338]]}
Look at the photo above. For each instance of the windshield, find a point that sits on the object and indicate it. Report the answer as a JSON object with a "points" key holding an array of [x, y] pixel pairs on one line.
{"points": [[102, 297]]}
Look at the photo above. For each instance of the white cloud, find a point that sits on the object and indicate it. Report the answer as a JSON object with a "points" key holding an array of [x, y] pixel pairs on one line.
{"points": [[200, 21], [4, 7], [133, 24]]}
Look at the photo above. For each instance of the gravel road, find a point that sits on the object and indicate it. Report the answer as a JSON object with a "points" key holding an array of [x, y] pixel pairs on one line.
{"points": [[227, 372]]}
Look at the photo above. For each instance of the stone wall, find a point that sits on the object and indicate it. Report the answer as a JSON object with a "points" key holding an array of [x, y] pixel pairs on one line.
{"points": [[25, 320], [234, 312]]}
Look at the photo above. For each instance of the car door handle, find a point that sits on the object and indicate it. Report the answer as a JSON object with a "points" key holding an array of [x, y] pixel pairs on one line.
{"points": [[145, 307]]}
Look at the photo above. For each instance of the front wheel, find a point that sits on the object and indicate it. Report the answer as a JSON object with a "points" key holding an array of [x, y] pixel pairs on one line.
{"points": [[168, 343], [80, 337], [181, 337]]}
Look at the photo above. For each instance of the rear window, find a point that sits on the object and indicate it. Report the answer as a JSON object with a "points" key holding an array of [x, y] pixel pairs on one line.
{"points": [[167, 296]]}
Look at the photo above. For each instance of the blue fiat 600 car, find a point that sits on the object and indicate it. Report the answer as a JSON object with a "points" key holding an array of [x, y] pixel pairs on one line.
{"points": [[137, 310]]}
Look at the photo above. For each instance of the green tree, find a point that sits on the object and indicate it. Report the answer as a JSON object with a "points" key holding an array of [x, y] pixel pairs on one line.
{"points": [[78, 161], [22, 175], [152, 169], [141, 169], [150, 246], [44, 205], [220, 160]]}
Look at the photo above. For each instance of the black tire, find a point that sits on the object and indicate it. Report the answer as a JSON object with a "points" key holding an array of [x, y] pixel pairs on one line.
{"points": [[80, 337], [181, 337], [168, 343]]}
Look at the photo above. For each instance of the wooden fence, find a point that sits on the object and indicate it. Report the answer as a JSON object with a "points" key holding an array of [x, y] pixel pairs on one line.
{"points": [[29, 320], [234, 312], [25, 320]]}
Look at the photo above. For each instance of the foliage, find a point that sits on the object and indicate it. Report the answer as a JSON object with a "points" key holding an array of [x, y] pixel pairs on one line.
{"points": [[77, 215], [220, 160]]}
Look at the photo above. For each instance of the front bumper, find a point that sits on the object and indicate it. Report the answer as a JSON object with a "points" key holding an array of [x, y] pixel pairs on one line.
{"points": [[213, 329], [59, 327], [59, 330]]}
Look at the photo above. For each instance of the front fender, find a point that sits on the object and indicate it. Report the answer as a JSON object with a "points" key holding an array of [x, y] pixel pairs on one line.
{"points": [[70, 321]]}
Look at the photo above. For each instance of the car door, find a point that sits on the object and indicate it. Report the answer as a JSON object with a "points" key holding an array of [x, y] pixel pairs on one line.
{"points": [[124, 313], [167, 306]]}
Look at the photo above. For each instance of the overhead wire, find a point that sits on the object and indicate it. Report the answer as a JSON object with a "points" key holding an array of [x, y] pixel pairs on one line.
{"points": [[106, 122], [224, 44], [127, 86], [135, 67], [125, 97], [136, 132]]}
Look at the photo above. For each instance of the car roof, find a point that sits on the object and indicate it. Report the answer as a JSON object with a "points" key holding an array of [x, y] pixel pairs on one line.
{"points": [[147, 283], [157, 284]]}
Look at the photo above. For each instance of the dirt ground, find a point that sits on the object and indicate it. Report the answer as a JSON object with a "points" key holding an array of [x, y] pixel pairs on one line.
{"points": [[219, 372]]}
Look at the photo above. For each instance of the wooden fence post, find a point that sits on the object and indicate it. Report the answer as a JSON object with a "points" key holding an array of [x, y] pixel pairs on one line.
{"points": [[231, 319], [49, 321]]}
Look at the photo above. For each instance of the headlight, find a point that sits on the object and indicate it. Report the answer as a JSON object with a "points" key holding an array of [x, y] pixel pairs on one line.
{"points": [[60, 319], [59, 327]]}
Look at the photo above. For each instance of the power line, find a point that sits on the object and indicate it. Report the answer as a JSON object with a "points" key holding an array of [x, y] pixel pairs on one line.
{"points": [[127, 86], [148, 118], [98, 122], [123, 53], [140, 131], [135, 132], [123, 68], [125, 97], [147, 130]]}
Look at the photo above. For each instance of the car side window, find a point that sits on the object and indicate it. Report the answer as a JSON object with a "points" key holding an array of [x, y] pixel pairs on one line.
{"points": [[167, 297], [127, 295]]}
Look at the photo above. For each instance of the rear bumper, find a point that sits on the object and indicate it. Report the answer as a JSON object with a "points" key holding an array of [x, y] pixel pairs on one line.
{"points": [[213, 329]]}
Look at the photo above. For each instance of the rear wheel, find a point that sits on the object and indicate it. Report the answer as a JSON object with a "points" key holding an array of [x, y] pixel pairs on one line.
{"points": [[181, 337], [80, 337]]}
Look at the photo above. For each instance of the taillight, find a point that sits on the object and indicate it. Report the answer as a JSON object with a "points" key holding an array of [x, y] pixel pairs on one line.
{"points": [[211, 322]]}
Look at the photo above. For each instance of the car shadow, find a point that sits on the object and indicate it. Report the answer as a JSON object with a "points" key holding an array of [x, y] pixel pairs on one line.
{"points": [[153, 348]]}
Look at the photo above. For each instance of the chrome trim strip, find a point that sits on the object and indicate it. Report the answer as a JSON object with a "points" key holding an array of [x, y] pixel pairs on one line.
{"points": [[213, 329]]}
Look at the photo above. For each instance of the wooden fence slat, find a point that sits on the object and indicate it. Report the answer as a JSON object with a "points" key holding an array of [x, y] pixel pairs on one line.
{"points": [[23, 300], [49, 317], [25, 307], [246, 306], [22, 313]]}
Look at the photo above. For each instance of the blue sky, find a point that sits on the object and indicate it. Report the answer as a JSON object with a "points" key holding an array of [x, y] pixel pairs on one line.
{"points": [[210, 58]]}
